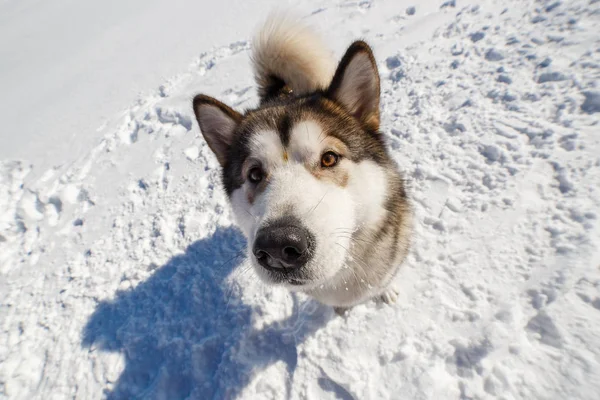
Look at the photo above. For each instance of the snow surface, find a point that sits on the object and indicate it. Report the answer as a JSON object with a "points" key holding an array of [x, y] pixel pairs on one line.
{"points": [[123, 277], [70, 66]]}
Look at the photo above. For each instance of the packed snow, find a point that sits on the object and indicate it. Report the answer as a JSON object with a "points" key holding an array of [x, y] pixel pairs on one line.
{"points": [[121, 272]]}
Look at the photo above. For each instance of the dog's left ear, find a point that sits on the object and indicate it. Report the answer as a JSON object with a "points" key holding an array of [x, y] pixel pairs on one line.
{"points": [[356, 85]]}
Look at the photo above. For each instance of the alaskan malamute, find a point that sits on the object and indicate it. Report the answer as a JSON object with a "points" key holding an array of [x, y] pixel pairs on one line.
{"points": [[312, 186]]}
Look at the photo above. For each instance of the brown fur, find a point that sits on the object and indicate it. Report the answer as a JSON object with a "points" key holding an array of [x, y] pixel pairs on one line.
{"points": [[348, 112]]}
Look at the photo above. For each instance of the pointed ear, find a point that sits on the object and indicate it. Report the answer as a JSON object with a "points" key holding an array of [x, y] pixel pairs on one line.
{"points": [[217, 123], [355, 84]]}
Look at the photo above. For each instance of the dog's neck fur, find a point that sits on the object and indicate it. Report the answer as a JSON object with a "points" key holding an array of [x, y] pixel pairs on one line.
{"points": [[376, 253]]}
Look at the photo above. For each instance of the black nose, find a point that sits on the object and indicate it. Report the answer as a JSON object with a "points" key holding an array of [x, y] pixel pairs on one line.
{"points": [[283, 245]]}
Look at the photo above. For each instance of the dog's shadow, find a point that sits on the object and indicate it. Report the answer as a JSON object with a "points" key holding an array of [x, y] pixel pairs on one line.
{"points": [[184, 333]]}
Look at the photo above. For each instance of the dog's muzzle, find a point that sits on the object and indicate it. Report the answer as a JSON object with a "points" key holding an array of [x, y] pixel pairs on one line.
{"points": [[283, 245]]}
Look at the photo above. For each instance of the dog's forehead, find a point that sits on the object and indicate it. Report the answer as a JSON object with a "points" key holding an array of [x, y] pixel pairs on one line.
{"points": [[299, 140], [306, 138], [265, 142]]}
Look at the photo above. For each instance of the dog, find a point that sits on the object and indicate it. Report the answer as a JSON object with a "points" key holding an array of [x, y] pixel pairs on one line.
{"points": [[323, 206]]}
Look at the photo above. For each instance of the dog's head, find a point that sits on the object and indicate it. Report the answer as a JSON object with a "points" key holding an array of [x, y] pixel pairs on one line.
{"points": [[304, 173]]}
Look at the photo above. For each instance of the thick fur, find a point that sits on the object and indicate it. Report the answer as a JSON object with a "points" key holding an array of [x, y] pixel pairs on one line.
{"points": [[288, 57], [357, 211]]}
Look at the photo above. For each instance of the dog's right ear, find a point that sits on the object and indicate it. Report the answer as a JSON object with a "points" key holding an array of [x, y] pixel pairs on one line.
{"points": [[217, 123]]}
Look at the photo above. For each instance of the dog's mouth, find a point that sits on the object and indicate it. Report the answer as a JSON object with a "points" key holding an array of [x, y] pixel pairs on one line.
{"points": [[295, 278], [296, 282], [301, 278]]}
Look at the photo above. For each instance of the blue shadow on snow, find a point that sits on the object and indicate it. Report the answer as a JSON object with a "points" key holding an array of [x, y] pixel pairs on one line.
{"points": [[186, 334]]}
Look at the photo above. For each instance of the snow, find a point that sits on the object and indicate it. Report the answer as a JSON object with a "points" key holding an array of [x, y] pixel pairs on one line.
{"points": [[592, 102], [70, 67], [122, 275]]}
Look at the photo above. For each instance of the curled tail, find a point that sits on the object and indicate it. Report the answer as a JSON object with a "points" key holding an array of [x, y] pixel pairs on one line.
{"points": [[288, 57]]}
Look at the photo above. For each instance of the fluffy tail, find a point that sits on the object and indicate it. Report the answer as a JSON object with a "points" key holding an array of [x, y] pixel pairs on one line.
{"points": [[288, 57]]}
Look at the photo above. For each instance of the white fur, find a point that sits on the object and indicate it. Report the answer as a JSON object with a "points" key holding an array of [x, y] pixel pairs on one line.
{"points": [[305, 141], [291, 51], [324, 208], [244, 217], [266, 147], [329, 211], [367, 183], [367, 187]]}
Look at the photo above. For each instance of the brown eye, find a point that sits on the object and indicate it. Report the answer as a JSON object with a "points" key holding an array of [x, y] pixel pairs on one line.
{"points": [[329, 159], [255, 174]]}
